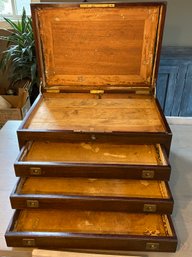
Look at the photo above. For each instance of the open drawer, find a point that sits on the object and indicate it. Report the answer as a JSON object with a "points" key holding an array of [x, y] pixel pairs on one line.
{"points": [[133, 119], [93, 160], [91, 230], [93, 194]]}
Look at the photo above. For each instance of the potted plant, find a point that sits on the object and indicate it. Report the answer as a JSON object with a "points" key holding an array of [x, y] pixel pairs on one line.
{"points": [[19, 58]]}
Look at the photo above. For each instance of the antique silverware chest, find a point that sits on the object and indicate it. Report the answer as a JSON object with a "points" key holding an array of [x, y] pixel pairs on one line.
{"points": [[94, 165]]}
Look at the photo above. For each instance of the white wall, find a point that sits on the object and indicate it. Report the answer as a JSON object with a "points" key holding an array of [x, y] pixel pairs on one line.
{"points": [[178, 26]]}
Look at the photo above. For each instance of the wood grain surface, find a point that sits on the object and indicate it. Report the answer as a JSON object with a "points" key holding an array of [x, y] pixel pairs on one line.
{"points": [[105, 115], [121, 51]]}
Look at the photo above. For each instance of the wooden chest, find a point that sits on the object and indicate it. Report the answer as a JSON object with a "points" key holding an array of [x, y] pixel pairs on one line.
{"points": [[95, 145], [98, 65]]}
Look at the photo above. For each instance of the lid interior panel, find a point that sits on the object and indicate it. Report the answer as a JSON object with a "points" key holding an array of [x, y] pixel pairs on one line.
{"points": [[93, 187], [73, 221], [100, 47], [93, 152]]}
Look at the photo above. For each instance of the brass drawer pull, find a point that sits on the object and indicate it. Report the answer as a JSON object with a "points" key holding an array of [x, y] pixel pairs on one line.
{"points": [[32, 203], [29, 242], [152, 246], [35, 171], [150, 208], [148, 174]]}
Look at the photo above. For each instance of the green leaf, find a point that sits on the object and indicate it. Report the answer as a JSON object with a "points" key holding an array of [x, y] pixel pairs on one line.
{"points": [[20, 53], [12, 24]]}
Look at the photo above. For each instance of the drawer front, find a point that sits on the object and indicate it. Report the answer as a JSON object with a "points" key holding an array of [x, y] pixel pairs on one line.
{"points": [[145, 232], [93, 160], [93, 194]]}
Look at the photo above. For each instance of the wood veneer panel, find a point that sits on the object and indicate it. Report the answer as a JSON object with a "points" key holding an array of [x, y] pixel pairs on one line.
{"points": [[92, 222], [93, 152], [99, 115], [94, 187], [121, 51]]}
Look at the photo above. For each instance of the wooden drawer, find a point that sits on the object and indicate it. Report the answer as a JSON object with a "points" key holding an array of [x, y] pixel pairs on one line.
{"points": [[91, 230], [120, 118], [93, 194], [93, 160]]}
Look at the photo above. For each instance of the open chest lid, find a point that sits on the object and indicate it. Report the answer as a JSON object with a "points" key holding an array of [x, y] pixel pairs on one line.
{"points": [[108, 46]]}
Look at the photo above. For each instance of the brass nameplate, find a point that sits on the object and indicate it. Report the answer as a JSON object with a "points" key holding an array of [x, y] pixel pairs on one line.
{"points": [[29, 242], [32, 204], [152, 246], [97, 5], [149, 208], [148, 174], [35, 171]]}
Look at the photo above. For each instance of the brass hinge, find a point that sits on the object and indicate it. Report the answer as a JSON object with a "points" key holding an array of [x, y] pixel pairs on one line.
{"points": [[28, 242], [146, 174], [142, 92], [152, 246], [32, 203], [97, 5], [35, 171], [150, 208], [97, 91], [52, 91]]}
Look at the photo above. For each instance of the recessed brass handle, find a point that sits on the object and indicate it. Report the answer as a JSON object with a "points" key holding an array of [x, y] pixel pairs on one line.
{"points": [[93, 137], [36, 171], [150, 208], [148, 174], [32, 203], [152, 246], [28, 242]]}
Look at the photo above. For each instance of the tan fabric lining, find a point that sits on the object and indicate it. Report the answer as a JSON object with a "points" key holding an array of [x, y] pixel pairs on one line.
{"points": [[95, 187], [92, 152], [92, 222]]}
